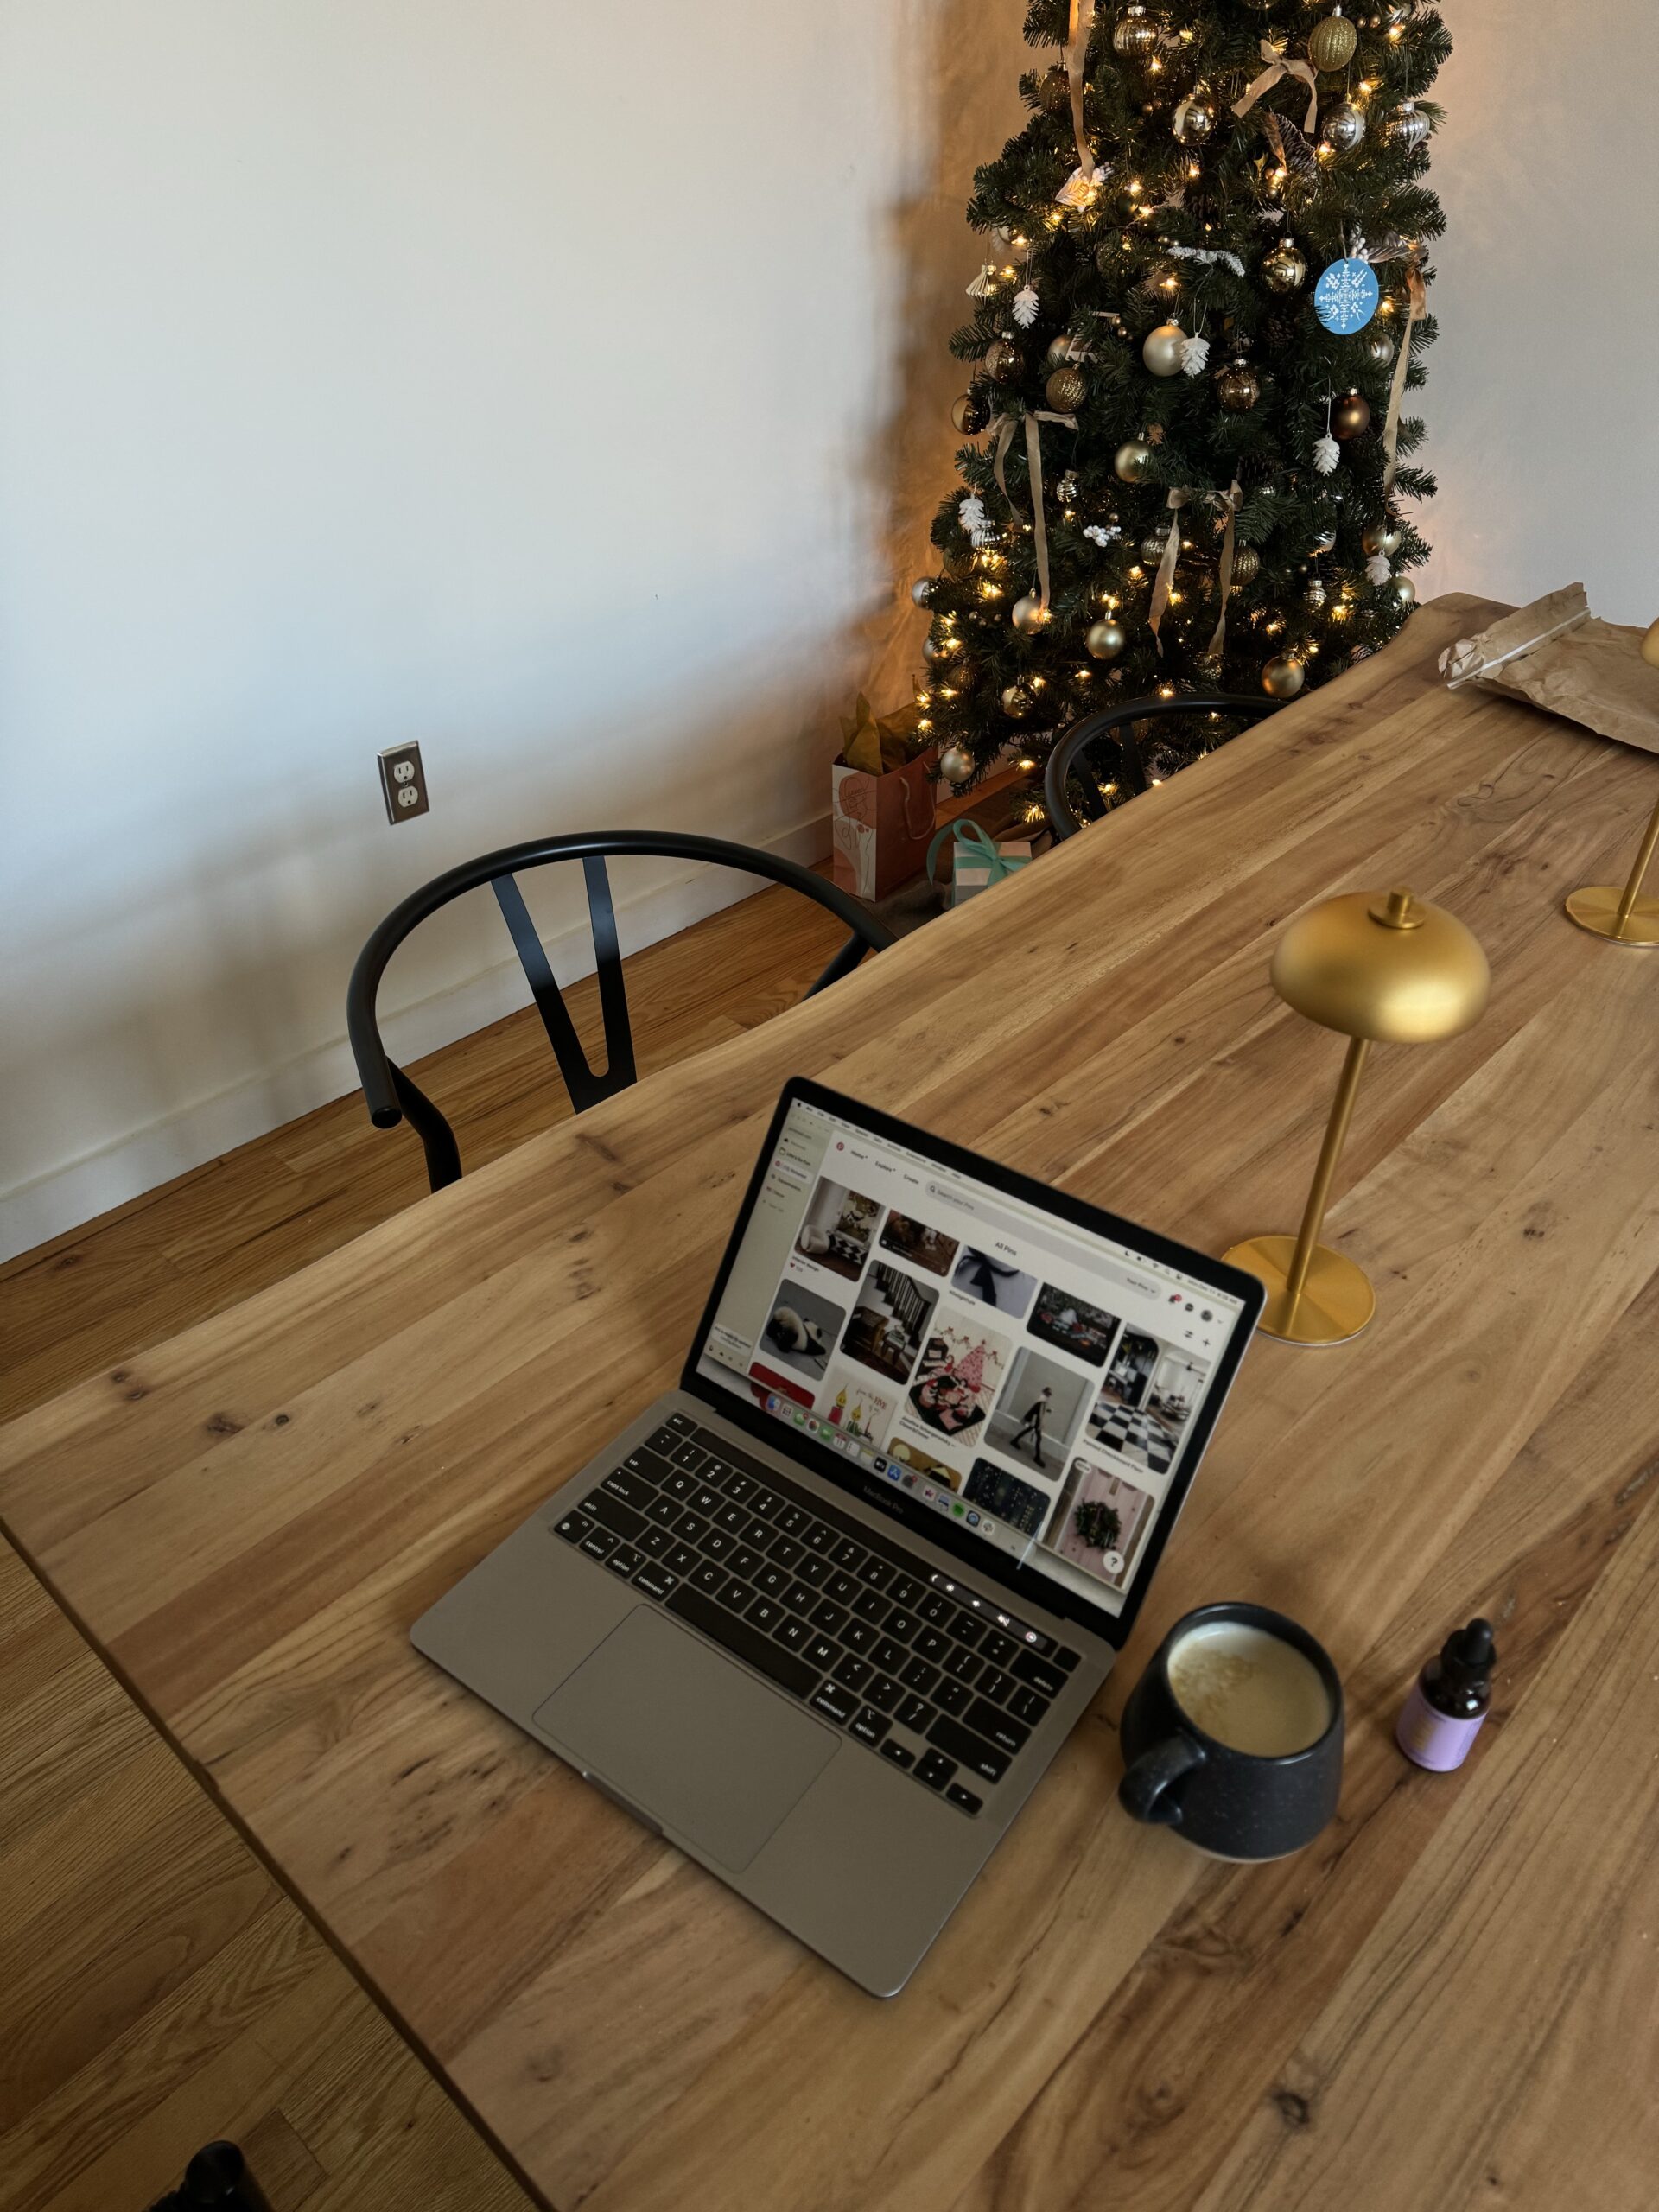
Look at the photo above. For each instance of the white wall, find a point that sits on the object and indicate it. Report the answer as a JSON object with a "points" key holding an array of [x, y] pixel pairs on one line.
{"points": [[509, 375], [568, 390]]}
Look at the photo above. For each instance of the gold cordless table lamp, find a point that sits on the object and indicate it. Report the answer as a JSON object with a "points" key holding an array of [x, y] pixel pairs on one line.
{"points": [[1384, 969], [1603, 908]]}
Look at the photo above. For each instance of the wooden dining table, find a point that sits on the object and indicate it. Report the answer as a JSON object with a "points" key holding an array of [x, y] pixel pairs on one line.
{"points": [[1451, 1999]]}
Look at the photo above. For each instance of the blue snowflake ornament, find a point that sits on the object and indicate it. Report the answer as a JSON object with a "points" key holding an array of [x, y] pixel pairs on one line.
{"points": [[1346, 296]]}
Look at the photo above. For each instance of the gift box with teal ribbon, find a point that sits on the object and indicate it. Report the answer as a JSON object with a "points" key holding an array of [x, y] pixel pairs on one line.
{"points": [[977, 860]]}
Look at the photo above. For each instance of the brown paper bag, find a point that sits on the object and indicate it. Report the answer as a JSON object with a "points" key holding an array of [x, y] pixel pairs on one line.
{"points": [[882, 826], [1557, 654]]}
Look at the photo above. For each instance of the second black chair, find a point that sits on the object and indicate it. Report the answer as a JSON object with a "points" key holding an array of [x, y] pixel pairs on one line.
{"points": [[390, 1095], [1072, 798]]}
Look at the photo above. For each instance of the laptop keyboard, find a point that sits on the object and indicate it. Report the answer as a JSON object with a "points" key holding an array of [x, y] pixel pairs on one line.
{"points": [[868, 1635]]}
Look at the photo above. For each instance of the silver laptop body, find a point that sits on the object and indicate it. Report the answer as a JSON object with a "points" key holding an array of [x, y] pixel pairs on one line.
{"points": [[823, 1615]]}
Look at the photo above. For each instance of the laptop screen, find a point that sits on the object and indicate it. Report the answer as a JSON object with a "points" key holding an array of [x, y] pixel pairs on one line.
{"points": [[1042, 1386]]}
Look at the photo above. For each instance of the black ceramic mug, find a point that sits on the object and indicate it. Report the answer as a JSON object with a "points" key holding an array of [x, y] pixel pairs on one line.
{"points": [[1233, 1736]]}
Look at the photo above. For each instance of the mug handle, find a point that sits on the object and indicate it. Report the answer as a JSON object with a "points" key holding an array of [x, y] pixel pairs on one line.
{"points": [[1148, 1789]]}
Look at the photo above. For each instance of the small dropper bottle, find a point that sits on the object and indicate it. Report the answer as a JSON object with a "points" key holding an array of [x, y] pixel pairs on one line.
{"points": [[1441, 1718]]}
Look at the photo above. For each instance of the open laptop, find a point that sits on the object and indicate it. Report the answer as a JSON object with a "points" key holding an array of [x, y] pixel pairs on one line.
{"points": [[823, 1614]]}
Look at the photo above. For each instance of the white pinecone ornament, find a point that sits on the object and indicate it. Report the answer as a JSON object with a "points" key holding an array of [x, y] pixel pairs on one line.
{"points": [[1026, 304]]}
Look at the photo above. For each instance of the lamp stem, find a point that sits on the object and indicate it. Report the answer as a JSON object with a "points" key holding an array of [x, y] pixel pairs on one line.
{"points": [[1632, 889], [1336, 1133]]}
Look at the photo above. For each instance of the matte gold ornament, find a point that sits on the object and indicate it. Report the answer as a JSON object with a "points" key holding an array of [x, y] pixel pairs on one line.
{"points": [[970, 414], [1283, 677], [1134, 35], [1286, 267], [956, 764], [1029, 614], [1133, 461], [1054, 92], [1161, 350], [1351, 415], [1067, 390], [1002, 362], [1106, 640], [922, 590], [1344, 127], [1331, 44], [1238, 389], [1379, 968], [1404, 591], [1194, 121], [1381, 537], [1407, 128], [1247, 565], [1379, 349]]}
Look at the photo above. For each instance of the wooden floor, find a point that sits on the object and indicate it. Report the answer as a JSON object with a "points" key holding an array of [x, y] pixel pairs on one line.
{"points": [[157, 1986]]}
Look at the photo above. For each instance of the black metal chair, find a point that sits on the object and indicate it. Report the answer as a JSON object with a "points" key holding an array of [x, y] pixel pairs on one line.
{"points": [[1065, 815], [216, 2180], [390, 1095]]}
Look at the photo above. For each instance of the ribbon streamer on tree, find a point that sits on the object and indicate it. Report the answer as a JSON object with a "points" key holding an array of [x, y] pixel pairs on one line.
{"points": [[1080, 29], [1004, 428], [1281, 66], [1181, 496], [1417, 307]]}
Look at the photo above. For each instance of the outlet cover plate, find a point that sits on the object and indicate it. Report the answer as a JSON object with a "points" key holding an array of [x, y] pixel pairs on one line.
{"points": [[402, 783]]}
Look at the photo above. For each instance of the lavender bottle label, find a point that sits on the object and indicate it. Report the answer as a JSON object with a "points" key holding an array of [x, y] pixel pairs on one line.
{"points": [[1433, 1739]]}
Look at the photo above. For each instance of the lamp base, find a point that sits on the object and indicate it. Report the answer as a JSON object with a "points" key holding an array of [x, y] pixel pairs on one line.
{"points": [[1596, 909], [1337, 1300]]}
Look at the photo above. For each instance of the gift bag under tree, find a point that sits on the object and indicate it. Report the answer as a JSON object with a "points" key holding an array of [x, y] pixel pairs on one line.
{"points": [[882, 802]]}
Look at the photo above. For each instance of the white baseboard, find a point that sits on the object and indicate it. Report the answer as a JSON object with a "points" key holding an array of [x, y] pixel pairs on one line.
{"points": [[33, 1212]]}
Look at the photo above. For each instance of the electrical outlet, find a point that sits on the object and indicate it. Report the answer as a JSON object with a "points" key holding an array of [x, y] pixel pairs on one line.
{"points": [[403, 781]]}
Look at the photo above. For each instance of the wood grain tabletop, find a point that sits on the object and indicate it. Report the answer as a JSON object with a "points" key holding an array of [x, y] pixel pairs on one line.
{"points": [[1449, 2000]]}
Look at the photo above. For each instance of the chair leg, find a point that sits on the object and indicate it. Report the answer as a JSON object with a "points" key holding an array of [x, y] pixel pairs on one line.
{"points": [[216, 2180]]}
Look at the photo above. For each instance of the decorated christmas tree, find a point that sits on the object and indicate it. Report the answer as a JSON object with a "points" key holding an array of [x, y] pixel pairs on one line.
{"points": [[1201, 304]]}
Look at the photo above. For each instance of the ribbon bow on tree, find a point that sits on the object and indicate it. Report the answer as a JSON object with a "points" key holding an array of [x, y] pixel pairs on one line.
{"points": [[1279, 66], [1184, 495], [1079, 187]]}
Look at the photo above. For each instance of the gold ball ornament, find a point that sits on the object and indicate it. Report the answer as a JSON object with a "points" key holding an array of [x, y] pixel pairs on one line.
{"points": [[1351, 415], [1650, 647], [1161, 350], [1331, 44], [1106, 640], [1238, 389], [1344, 127], [1060, 350], [1153, 546], [956, 764], [1010, 238], [1404, 591], [1326, 541], [933, 651], [1381, 537], [1286, 267], [1247, 565], [1002, 362], [1194, 121], [922, 590], [1284, 677], [1067, 390], [1407, 128], [1054, 92], [1134, 35], [1379, 349], [1016, 703], [1029, 614], [1133, 460], [970, 414]]}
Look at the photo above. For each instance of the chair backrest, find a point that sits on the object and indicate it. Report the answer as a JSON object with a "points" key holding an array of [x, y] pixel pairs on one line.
{"points": [[1072, 800], [390, 1095]]}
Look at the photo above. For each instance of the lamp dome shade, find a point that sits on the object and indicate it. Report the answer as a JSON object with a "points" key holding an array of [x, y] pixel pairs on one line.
{"points": [[1385, 965]]}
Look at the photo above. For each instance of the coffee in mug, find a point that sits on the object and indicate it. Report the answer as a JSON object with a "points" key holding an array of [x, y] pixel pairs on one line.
{"points": [[1248, 1689], [1233, 1736]]}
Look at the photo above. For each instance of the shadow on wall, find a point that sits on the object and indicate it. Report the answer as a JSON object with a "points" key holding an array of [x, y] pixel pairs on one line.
{"points": [[967, 95]]}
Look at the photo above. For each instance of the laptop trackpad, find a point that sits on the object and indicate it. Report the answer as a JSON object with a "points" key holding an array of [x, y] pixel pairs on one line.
{"points": [[687, 1736]]}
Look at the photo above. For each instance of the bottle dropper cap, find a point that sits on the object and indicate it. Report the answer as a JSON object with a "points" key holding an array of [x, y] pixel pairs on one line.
{"points": [[1469, 1654]]}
